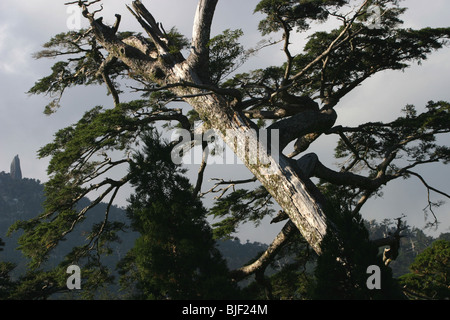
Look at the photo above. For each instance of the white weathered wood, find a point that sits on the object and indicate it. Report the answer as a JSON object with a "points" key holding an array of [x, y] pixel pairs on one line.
{"points": [[282, 182]]}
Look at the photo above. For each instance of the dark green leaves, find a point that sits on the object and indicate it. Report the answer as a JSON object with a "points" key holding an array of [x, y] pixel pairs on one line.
{"points": [[81, 159], [226, 54], [294, 14], [341, 270], [351, 53], [365, 53], [175, 256], [238, 207], [429, 277], [98, 130], [84, 59], [412, 136]]}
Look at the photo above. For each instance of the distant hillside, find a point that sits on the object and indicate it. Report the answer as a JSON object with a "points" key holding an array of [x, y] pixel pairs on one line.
{"points": [[19, 200], [22, 199], [239, 254]]}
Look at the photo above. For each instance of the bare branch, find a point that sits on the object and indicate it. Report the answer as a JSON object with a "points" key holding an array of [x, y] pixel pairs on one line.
{"points": [[105, 220], [427, 185], [186, 84], [117, 23], [366, 196], [113, 185], [201, 170], [429, 188], [306, 212], [231, 184], [290, 59], [303, 143], [149, 24], [281, 216], [264, 260], [103, 72], [81, 2], [201, 33]]}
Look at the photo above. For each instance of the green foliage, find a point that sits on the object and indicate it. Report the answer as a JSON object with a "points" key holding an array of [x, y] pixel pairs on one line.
{"points": [[23, 200], [412, 137], [262, 80], [292, 282], [430, 273], [413, 242], [37, 285], [294, 14], [175, 256], [6, 283], [226, 54], [75, 161], [290, 276], [341, 270], [177, 41], [369, 51], [238, 207], [361, 52], [82, 68]]}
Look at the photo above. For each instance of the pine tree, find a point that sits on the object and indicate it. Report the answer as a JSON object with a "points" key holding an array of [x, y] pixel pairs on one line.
{"points": [[430, 273], [175, 256]]}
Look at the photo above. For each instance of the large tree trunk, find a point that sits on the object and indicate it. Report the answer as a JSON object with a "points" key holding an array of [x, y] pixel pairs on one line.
{"points": [[293, 192], [186, 78]]}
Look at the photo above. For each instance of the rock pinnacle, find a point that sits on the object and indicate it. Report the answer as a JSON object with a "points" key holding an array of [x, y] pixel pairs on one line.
{"points": [[16, 172]]}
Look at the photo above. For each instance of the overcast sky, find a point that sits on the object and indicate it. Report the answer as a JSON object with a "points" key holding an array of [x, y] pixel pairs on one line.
{"points": [[25, 25]]}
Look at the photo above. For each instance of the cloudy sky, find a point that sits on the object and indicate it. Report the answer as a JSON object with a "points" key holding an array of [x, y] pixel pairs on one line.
{"points": [[25, 25]]}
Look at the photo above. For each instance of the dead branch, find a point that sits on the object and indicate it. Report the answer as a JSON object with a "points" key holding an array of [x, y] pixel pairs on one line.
{"points": [[393, 241], [201, 170], [264, 260], [199, 57], [230, 184]]}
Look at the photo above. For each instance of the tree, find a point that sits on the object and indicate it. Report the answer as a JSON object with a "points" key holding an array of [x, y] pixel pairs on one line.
{"points": [[175, 256], [298, 97], [6, 283], [429, 277]]}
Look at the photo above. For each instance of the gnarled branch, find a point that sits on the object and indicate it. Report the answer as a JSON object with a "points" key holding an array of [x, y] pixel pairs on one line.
{"points": [[303, 123], [393, 241]]}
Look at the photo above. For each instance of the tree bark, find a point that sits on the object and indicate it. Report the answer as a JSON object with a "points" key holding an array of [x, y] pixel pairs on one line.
{"points": [[198, 58]]}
